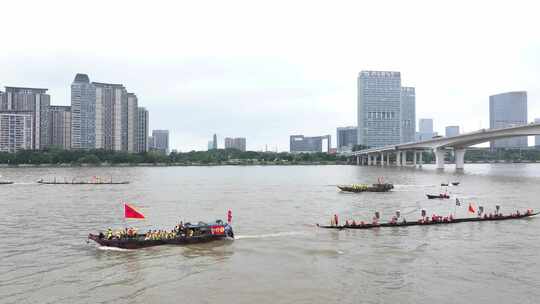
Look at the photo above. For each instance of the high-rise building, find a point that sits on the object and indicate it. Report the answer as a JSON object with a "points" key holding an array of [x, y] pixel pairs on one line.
{"points": [[301, 143], [111, 118], [83, 113], [379, 108], [142, 130], [425, 129], [130, 132], [537, 138], [238, 143], [408, 114], [214, 142], [60, 127], [3, 105], [36, 101], [161, 141], [451, 131], [507, 110], [347, 137], [16, 131]]}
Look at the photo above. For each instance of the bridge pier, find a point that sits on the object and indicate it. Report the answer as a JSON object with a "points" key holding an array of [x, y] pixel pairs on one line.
{"points": [[439, 158], [382, 159], [388, 159], [403, 158], [459, 155], [414, 158], [398, 158]]}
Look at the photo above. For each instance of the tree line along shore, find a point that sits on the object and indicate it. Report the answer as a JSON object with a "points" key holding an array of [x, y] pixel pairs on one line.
{"points": [[57, 157], [54, 157]]}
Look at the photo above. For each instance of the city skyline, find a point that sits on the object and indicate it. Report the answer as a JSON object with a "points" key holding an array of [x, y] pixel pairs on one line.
{"points": [[272, 84]]}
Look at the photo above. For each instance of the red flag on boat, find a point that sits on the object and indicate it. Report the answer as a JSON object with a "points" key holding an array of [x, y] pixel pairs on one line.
{"points": [[471, 208], [229, 216], [131, 212]]}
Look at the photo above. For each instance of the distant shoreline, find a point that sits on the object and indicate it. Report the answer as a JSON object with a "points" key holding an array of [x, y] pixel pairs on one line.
{"points": [[323, 163], [327, 163]]}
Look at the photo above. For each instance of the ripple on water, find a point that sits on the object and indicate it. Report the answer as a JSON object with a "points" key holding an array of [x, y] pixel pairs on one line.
{"points": [[278, 254]]}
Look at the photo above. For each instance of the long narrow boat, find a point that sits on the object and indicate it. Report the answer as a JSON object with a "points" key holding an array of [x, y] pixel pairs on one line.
{"points": [[6, 182], [192, 233], [81, 183], [420, 223], [434, 196], [382, 187]]}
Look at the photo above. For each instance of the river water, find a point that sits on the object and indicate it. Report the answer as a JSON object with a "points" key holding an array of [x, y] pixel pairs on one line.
{"points": [[279, 256]]}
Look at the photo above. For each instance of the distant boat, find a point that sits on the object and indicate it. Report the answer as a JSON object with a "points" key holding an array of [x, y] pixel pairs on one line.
{"points": [[455, 183], [96, 182], [6, 182], [442, 196], [444, 184], [384, 187]]}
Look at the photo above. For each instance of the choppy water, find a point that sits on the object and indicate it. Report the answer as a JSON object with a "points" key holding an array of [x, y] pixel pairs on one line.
{"points": [[278, 256]]}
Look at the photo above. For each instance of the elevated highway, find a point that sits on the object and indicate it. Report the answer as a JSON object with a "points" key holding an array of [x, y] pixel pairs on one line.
{"points": [[440, 146]]}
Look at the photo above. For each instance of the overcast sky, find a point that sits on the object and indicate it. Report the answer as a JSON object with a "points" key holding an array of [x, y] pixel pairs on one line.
{"points": [[267, 69]]}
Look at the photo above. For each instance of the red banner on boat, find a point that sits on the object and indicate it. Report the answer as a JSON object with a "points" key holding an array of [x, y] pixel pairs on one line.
{"points": [[471, 209], [217, 230], [131, 212]]}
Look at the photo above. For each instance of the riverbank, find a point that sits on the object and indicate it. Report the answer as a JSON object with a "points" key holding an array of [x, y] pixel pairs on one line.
{"points": [[105, 164]]}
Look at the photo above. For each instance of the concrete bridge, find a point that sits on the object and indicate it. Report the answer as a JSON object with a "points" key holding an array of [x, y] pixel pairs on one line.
{"points": [[440, 146]]}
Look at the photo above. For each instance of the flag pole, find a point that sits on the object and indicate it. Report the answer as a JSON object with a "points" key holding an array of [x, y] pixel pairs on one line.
{"points": [[125, 222]]}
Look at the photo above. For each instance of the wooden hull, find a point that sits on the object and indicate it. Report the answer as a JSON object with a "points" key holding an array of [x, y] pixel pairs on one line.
{"points": [[82, 183], [431, 196], [407, 224], [372, 188], [140, 242]]}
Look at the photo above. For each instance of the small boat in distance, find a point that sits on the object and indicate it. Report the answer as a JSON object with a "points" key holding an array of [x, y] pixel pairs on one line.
{"points": [[434, 196], [95, 181], [444, 184], [382, 187], [6, 182], [485, 218], [455, 183]]}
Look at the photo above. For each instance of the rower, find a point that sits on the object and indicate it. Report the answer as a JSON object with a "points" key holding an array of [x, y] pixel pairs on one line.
{"points": [[109, 233], [376, 218], [497, 210], [480, 211], [423, 213], [396, 217]]}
